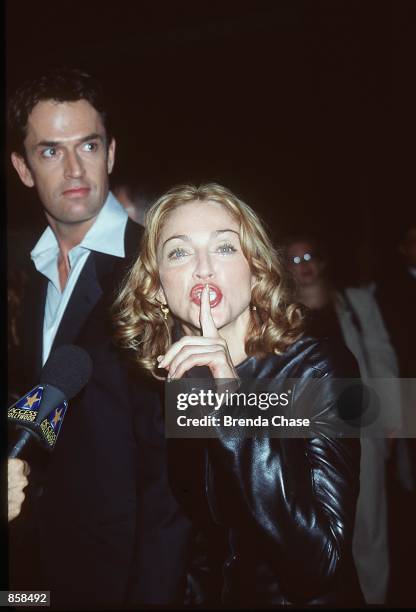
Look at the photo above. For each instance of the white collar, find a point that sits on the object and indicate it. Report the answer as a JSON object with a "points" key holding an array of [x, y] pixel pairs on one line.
{"points": [[106, 235]]}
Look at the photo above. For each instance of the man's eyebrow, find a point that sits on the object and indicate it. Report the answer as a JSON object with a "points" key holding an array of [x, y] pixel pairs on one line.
{"points": [[93, 136], [56, 143]]}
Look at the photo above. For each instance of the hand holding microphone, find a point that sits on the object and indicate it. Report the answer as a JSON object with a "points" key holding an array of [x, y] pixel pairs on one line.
{"points": [[17, 472]]}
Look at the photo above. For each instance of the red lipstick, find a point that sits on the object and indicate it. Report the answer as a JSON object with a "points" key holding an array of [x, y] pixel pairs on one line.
{"points": [[215, 294]]}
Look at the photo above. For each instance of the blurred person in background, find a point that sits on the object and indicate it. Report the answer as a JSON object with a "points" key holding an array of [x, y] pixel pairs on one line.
{"points": [[396, 295], [135, 200], [351, 316]]}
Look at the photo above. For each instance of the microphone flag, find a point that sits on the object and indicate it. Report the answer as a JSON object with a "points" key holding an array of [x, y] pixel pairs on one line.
{"points": [[25, 414]]}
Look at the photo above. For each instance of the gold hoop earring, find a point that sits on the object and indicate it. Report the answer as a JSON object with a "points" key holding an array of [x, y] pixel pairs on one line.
{"points": [[165, 311]]}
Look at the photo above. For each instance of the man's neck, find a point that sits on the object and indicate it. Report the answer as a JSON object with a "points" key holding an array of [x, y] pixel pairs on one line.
{"points": [[68, 236]]}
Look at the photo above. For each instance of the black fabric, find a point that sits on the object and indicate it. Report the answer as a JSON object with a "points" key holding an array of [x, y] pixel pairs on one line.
{"points": [[101, 528], [396, 296], [324, 323], [276, 515], [101, 276], [120, 537], [397, 300]]}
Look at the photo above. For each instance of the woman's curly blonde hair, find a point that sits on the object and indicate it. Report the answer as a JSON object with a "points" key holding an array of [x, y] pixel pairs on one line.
{"points": [[140, 324]]}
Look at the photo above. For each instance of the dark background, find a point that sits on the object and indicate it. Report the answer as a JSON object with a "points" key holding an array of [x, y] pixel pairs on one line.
{"points": [[302, 108], [288, 103]]}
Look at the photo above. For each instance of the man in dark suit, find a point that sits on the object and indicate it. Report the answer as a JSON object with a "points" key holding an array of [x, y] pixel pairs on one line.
{"points": [[397, 297], [396, 294], [102, 526]]}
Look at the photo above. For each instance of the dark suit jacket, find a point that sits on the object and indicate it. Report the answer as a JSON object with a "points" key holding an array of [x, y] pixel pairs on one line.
{"points": [[397, 298], [107, 528], [99, 278]]}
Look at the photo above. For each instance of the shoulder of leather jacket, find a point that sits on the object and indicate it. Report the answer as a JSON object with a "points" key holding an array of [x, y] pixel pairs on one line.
{"points": [[307, 357]]}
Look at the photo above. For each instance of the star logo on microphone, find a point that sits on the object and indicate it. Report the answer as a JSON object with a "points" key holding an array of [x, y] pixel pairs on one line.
{"points": [[31, 401], [57, 416]]}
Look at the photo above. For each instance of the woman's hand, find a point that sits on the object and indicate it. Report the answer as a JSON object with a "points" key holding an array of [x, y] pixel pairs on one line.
{"points": [[207, 350]]}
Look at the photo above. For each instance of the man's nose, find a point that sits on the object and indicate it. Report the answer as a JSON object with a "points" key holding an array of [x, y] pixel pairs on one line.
{"points": [[73, 165]]}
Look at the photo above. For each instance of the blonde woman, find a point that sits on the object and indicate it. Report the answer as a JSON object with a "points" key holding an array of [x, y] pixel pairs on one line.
{"points": [[274, 515]]}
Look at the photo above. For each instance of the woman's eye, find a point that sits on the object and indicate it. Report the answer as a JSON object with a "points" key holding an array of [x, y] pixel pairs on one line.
{"points": [[49, 152], [225, 249], [177, 253]]}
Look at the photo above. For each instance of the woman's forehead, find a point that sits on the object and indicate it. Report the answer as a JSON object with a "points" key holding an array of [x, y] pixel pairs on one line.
{"points": [[198, 216]]}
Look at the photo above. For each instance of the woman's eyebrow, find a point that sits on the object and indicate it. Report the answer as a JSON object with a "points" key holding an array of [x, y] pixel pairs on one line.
{"points": [[179, 236], [188, 239], [225, 230]]}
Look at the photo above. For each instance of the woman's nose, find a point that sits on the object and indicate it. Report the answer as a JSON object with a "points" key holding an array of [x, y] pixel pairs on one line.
{"points": [[204, 269]]}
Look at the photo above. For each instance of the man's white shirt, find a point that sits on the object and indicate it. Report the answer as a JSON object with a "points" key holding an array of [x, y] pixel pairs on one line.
{"points": [[105, 236]]}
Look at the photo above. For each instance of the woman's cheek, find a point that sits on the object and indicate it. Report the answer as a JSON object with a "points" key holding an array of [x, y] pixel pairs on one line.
{"points": [[174, 291]]}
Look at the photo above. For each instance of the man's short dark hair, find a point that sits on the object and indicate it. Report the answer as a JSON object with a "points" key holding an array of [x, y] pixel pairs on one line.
{"points": [[61, 85]]}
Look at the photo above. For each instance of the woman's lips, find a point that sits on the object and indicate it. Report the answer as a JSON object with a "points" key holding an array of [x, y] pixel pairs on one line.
{"points": [[215, 295], [78, 192]]}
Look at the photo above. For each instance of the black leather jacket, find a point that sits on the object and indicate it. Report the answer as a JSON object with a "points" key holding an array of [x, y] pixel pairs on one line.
{"points": [[274, 516]]}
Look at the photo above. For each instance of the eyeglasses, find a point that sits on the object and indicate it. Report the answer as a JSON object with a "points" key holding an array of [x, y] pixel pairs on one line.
{"points": [[301, 258]]}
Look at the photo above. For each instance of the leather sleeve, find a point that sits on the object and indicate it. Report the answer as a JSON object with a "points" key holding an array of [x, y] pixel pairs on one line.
{"points": [[300, 493]]}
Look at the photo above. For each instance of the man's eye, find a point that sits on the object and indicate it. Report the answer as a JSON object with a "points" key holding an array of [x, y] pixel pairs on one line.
{"points": [[225, 249], [177, 253], [90, 146], [49, 152]]}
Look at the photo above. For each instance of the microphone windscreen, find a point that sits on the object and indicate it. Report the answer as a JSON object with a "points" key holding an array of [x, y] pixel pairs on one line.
{"points": [[68, 368]]}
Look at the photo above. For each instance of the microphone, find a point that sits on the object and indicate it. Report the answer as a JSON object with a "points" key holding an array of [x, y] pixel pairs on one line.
{"points": [[40, 412]]}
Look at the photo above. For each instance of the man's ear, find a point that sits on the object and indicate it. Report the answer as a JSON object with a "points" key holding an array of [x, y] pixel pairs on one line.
{"points": [[111, 155], [22, 169]]}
